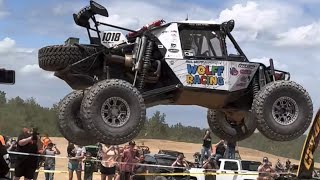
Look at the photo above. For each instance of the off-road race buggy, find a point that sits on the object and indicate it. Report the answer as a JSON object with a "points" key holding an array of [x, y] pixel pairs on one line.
{"points": [[116, 77]]}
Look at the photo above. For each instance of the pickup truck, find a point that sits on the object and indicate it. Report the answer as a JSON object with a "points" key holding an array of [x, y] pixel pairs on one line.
{"points": [[229, 169]]}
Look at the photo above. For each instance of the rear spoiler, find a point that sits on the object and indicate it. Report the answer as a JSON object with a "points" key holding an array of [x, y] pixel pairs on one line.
{"points": [[83, 16]]}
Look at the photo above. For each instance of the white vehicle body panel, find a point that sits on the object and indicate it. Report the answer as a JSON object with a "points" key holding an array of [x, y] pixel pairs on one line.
{"points": [[169, 37], [197, 73], [213, 74]]}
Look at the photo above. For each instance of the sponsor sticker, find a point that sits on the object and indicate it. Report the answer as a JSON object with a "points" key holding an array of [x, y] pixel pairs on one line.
{"points": [[241, 84], [173, 45], [245, 79], [245, 71], [173, 50], [247, 66], [234, 71]]}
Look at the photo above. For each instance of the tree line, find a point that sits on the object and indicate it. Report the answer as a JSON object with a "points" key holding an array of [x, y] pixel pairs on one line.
{"points": [[16, 113]]}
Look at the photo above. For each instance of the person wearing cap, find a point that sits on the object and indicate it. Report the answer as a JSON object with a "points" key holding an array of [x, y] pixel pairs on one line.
{"points": [[266, 172], [45, 141], [128, 158]]}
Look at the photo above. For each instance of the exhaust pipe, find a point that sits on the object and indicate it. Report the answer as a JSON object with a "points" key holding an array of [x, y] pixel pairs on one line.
{"points": [[127, 61]]}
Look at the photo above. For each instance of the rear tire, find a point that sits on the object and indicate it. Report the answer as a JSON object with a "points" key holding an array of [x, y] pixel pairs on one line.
{"points": [[58, 57], [219, 126], [113, 111], [69, 122], [283, 109]]}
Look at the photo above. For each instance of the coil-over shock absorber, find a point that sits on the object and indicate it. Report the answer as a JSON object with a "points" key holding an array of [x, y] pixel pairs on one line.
{"points": [[146, 64]]}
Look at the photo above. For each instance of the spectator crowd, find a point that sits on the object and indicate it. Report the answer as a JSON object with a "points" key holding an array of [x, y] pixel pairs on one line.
{"points": [[26, 158], [80, 160]]}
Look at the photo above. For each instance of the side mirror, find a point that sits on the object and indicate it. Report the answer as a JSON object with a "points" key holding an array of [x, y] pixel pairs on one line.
{"points": [[7, 76]]}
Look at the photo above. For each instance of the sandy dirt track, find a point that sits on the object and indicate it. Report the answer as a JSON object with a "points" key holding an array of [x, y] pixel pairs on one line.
{"points": [[188, 148]]}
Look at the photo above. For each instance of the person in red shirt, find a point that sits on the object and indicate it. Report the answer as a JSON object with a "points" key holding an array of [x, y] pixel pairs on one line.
{"points": [[128, 158]]}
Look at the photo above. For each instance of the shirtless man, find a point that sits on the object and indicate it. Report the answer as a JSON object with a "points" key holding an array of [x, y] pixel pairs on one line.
{"points": [[108, 164]]}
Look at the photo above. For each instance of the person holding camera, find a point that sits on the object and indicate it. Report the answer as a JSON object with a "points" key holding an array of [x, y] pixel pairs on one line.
{"points": [[180, 166], [266, 172], [26, 165], [49, 162]]}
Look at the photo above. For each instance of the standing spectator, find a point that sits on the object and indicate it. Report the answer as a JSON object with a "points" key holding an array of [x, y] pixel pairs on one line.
{"points": [[45, 140], [206, 147], [266, 172], [220, 150], [26, 165], [12, 147], [50, 162], [4, 162], [288, 166], [75, 154], [231, 149], [138, 169], [128, 157], [88, 167], [181, 165], [211, 163], [40, 159], [108, 164]]}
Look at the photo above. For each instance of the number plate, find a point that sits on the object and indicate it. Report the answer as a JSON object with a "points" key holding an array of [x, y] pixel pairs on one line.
{"points": [[112, 38]]}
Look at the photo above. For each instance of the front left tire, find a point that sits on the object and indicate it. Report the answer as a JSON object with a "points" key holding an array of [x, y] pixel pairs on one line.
{"points": [[113, 111]]}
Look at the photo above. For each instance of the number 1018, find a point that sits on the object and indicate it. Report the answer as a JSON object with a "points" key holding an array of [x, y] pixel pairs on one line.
{"points": [[107, 37]]}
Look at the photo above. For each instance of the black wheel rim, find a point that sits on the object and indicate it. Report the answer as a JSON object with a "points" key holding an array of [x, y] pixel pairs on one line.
{"points": [[115, 112], [285, 110]]}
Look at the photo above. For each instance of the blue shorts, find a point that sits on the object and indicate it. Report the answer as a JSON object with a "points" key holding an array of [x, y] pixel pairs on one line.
{"points": [[74, 166]]}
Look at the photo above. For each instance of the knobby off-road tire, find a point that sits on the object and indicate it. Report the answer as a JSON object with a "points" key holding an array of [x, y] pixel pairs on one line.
{"points": [[58, 57], [69, 122], [116, 124], [283, 110], [223, 129]]}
